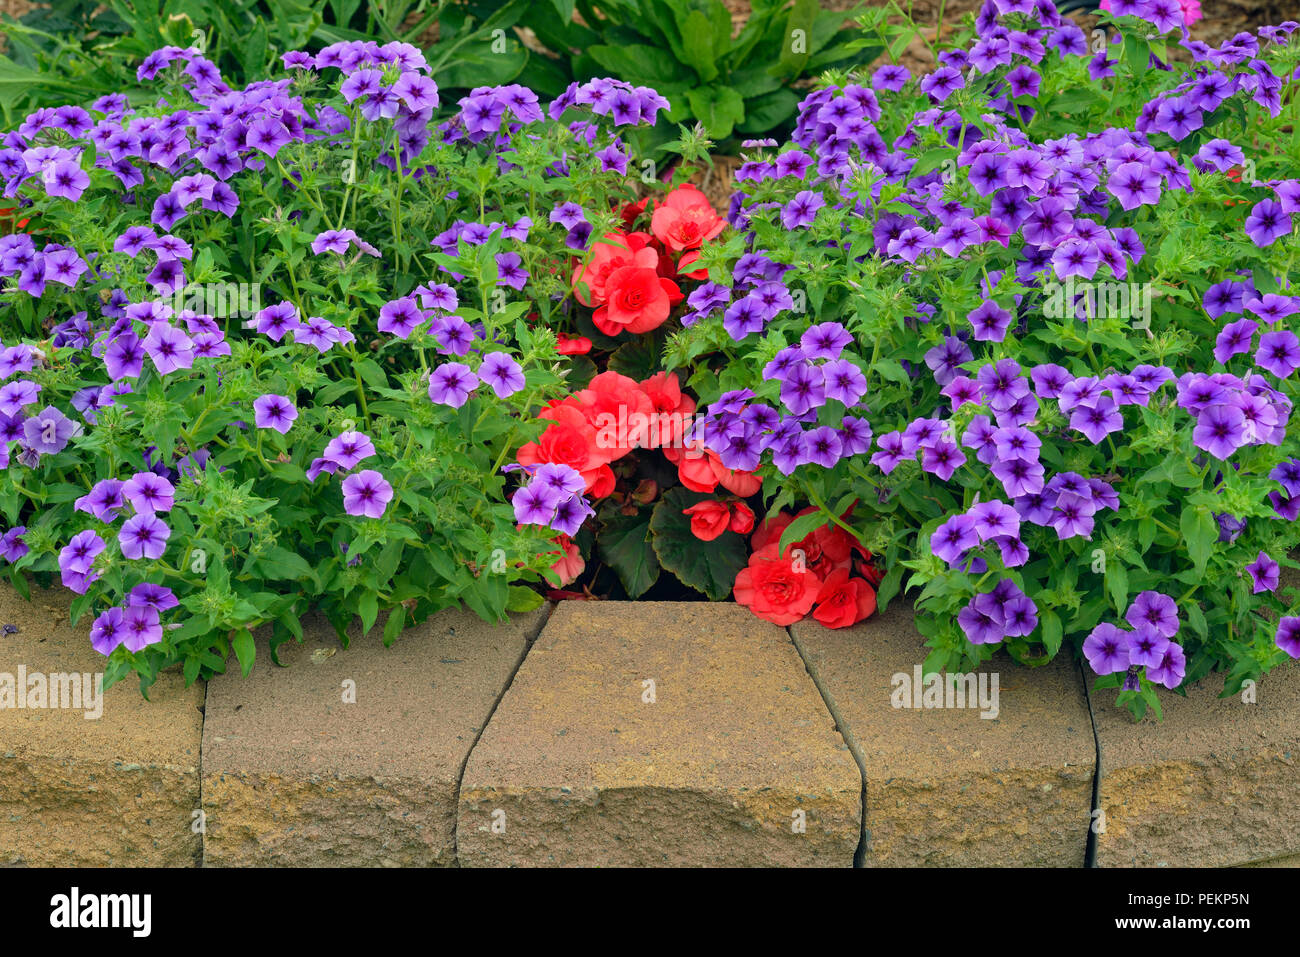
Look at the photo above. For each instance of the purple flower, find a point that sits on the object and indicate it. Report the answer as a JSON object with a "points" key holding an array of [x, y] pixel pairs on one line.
{"points": [[154, 596], [982, 620], [366, 494], [1155, 611], [348, 449], [845, 382], [1098, 420], [142, 627], [803, 388], [1134, 185], [169, 348], [1147, 648], [108, 631], [275, 321], [149, 492], [1288, 636], [826, 340], [144, 536], [535, 504], [103, 501], [510, 271], [273, 411], [1172, 667], [65, 178], [267, 134], [1234, 339], [1279, 352], [802, 210], [1107, 649], [995, 519], [1264, 573], [821, 446], [451, 384], [78, 556], [1220, 430], [502, 373], [12, 547], [990, 321], [954, 538], [1267, 223], [49, 430]]}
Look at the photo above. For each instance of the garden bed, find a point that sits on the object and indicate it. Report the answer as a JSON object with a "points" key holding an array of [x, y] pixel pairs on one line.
{"points": [[987, 370]]}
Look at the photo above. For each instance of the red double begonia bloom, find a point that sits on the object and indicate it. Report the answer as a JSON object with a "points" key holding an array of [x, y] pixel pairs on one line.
{"points": [[637, 299], [685, 219], [708, 519], [614, 251], [702, 471], [844, 601], [777, 587]]}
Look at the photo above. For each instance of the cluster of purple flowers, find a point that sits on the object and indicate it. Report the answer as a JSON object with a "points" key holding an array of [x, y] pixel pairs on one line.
{"points": [[138, 624], [1004, 612], [552, 497], [143, 534], [281, 319], [1153, 618]]}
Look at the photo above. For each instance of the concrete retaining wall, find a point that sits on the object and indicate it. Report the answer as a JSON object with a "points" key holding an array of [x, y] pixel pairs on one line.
{"points": [[615, 734]]}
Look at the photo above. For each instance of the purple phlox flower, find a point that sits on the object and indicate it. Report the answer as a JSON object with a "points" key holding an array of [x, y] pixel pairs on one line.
{"points": [[104, 500], [48, 431], [1107, 649], [1172, 667], [451, 384], [142, 627], [1279, 352], [147, 594], [990, 321], [149, 492], [273, 411], [169, 348], [982, 620], [1264, 573], [366, 493], [1234, 339], [1154, 610], [500, 371], [108, 631], [348, 449], [144, 536]]}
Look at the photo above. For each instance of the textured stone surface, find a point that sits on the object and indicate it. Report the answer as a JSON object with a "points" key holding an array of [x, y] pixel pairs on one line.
{"points": [[1288, 862], [581, 770], [946, 787], [117, 790], [292, 775], [1216, 783]]}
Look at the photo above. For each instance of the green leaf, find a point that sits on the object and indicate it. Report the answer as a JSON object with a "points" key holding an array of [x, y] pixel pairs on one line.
{"points": [[710, 567], [1052, 631], [244, 649], [368, 609], [521, 599], [393, 627], [718, 108], [1117, 584], [697, 45], [1200, 531], [624, 543]]}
